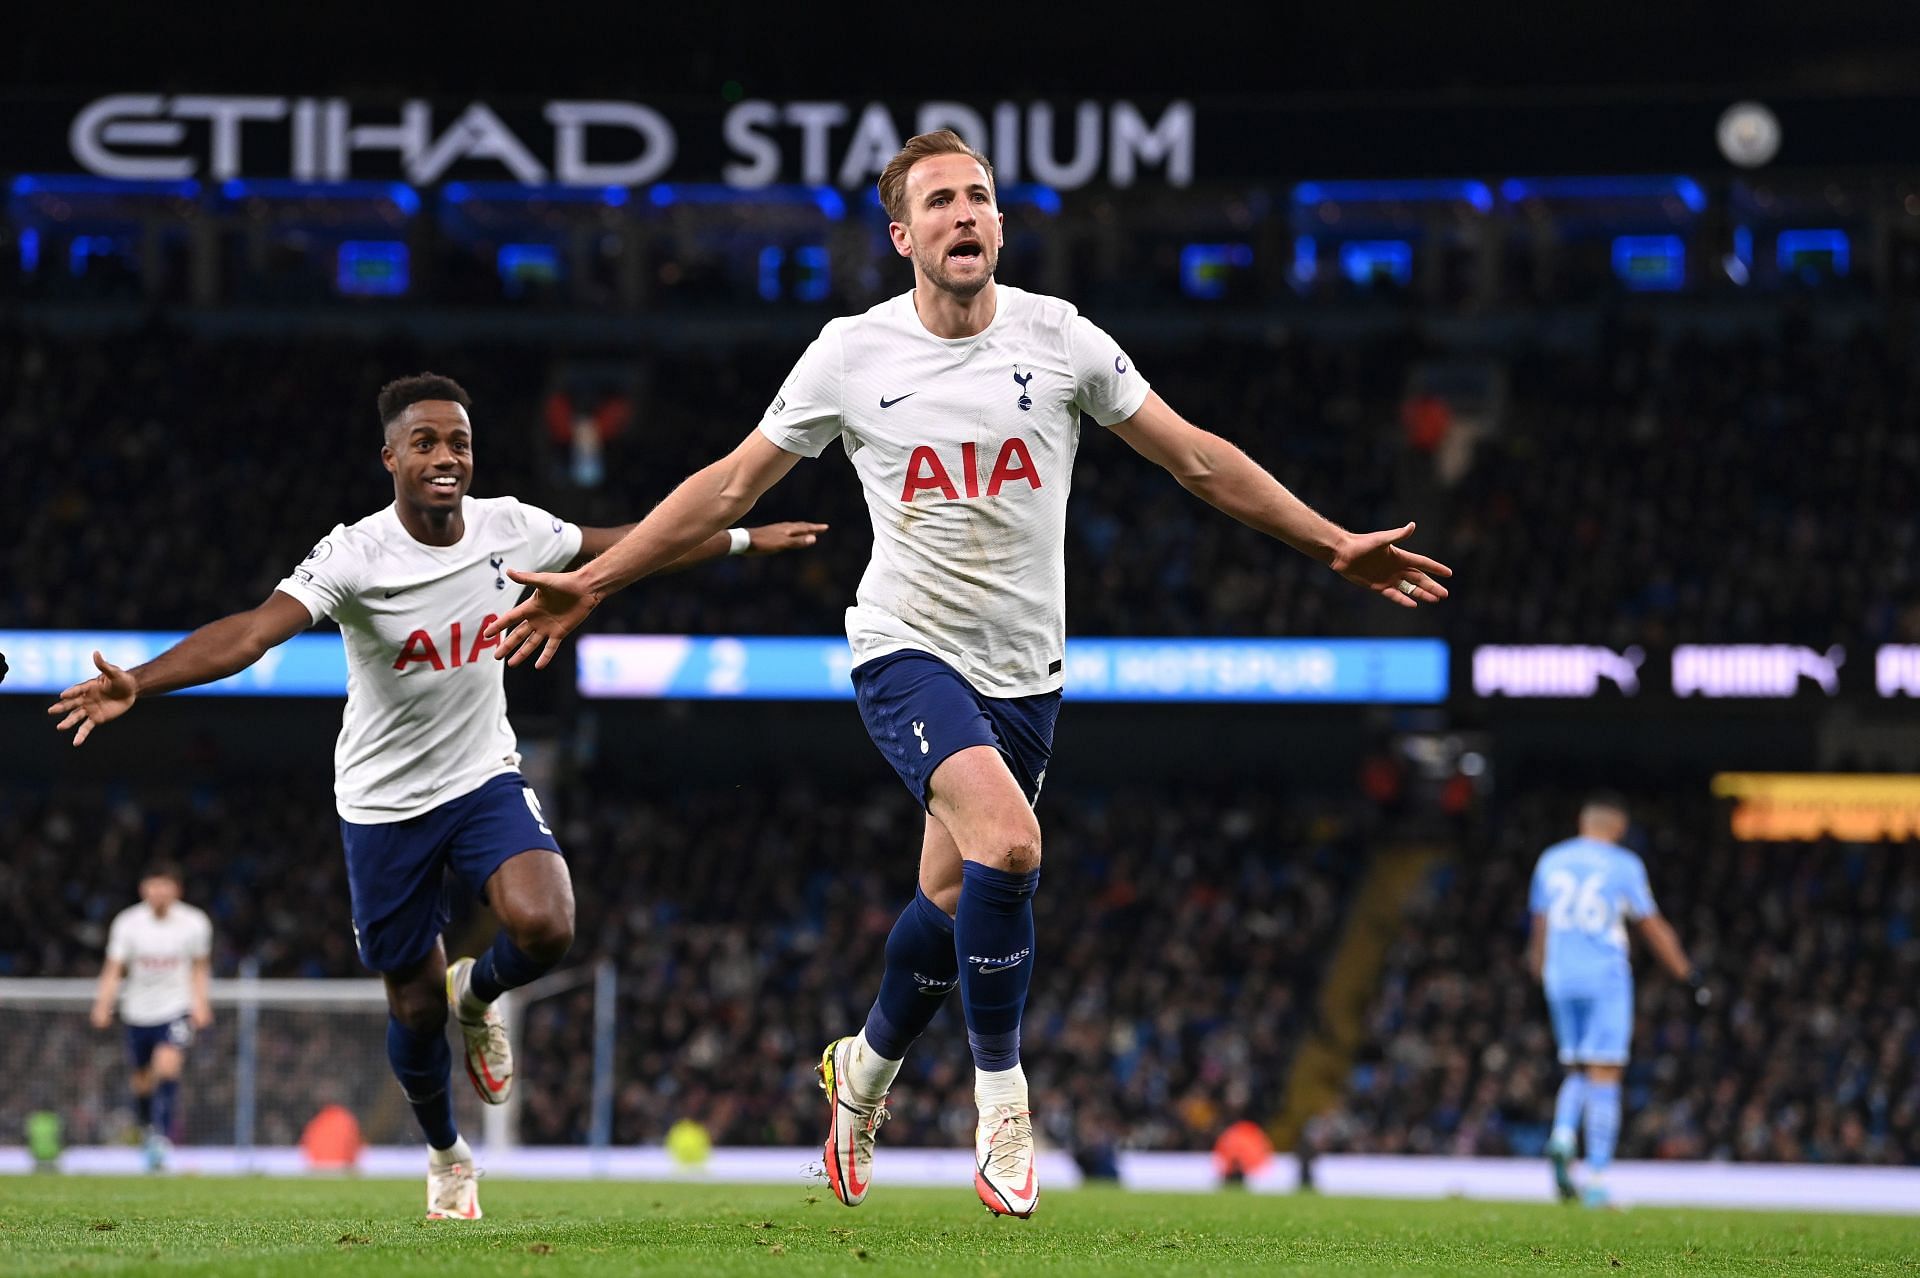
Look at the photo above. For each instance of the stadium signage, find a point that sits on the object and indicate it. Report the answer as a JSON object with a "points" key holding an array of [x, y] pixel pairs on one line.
{"points": [[600, 142], [50, 661], [1754, 669], [1896, 670], [1807, 807], [810, 668], [1350, 671], [1554, 670]]}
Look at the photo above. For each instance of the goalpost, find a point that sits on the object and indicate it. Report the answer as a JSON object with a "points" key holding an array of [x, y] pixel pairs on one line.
{"points": [[278, 1052]]}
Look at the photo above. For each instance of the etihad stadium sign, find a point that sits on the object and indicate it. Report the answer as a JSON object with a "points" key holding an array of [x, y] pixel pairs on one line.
{"points": [[604, 142]]}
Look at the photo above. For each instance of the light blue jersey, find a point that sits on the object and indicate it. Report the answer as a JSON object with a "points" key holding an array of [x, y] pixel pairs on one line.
{"points": [[1589, 891]]}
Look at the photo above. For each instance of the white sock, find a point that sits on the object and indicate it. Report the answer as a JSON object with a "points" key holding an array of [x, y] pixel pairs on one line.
{"points": [[470, 1007], [993, 1087], [869, 1074], [458, 1152]]}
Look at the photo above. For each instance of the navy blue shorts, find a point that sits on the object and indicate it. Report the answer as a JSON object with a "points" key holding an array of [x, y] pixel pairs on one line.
{"points": [[396, 870], [919, 710], [143, 1039]]}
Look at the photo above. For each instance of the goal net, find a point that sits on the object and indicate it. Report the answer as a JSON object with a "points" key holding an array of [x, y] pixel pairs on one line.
{"points": [[277, 1053]]}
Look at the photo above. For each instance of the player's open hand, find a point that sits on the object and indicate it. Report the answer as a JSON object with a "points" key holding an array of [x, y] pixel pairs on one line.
{"points": [[771, 539], [1374, 561], [101, 1017], [535, 627], [95, 701]]}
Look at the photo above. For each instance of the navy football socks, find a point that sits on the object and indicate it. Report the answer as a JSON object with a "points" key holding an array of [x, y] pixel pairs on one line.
{"points": [[164, 1092], [993, 940], [921, 970], [424, 1064], [505, 966]]}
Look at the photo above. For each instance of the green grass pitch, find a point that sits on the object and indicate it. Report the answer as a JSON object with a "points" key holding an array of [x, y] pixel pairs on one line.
{"points": [[91, 1225]]}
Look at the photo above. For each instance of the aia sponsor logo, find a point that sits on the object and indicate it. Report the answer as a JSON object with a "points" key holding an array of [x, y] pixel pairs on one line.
{"points": [[421, 648], [926, 472]]}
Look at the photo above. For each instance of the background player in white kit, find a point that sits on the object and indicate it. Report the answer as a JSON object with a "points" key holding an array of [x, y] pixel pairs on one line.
{"points": [[426, 771], [159, 963], [959, 404]]}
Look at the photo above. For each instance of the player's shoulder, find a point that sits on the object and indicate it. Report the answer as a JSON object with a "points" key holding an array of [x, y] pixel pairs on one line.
{"points": [[1560, 851], [130, 915], [363, 538], [884, 316], [1626, 858], [194, 914], [488, 509], [1042, 309]]}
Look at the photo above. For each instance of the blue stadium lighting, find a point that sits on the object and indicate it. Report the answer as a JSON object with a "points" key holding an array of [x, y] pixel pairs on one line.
{"points": [[1306, 261], [1365, 262], [398, 194], [1205, 269], [29, 251], [1811, 253], [84, 248], [1739, 263], [1038, 194], [372, 268], [61, 184], [551, 193], [1405, 191], [814, 283], [825, 198], [1685, 189], [521, 264], [770, 258], [1650, 263]]}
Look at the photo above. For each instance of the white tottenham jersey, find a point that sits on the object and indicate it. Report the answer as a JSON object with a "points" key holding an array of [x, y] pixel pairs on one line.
{"points": [[158, 954], [965, 449], [426, 717]]}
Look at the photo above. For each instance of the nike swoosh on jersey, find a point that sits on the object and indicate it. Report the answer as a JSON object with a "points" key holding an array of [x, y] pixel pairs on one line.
{"points": [[889, 403]]}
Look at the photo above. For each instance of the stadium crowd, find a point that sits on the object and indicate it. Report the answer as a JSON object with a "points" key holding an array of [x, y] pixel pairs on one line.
{"points": [[1806, 1054], [211, 465], [1184, 934]]}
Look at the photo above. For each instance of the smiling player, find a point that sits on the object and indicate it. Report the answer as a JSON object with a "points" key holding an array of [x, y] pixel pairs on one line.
{"points": [[426, 770], [959, 404]]}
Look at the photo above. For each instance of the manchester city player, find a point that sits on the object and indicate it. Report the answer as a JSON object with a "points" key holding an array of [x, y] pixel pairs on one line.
{"points": [[1586, 892], [959, 405], [426, 769]]}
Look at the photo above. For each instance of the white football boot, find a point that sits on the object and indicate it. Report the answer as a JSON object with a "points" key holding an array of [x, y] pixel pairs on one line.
{"points": [[453, 1183], [488, 1050], [851, 1126], [1003, 1161]]}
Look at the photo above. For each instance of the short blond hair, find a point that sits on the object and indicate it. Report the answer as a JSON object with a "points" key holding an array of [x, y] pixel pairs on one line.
{"points": [[893, 178]]}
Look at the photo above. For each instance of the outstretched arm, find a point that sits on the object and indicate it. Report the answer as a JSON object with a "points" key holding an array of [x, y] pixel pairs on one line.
{"points": [[214, 651], [767, 539], [705, 503], [1224, 477]]}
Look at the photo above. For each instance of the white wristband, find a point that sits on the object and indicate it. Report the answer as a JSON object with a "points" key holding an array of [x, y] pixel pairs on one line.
{"points": [[739, 540]]}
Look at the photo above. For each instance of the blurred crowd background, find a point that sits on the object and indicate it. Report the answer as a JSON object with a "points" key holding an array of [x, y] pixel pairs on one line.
{"points": [[1641, 364]]}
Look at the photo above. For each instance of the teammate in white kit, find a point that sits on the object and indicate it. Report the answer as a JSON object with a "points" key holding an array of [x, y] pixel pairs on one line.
{"points": [[959, 404], [426, 772], [159, 961]]}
